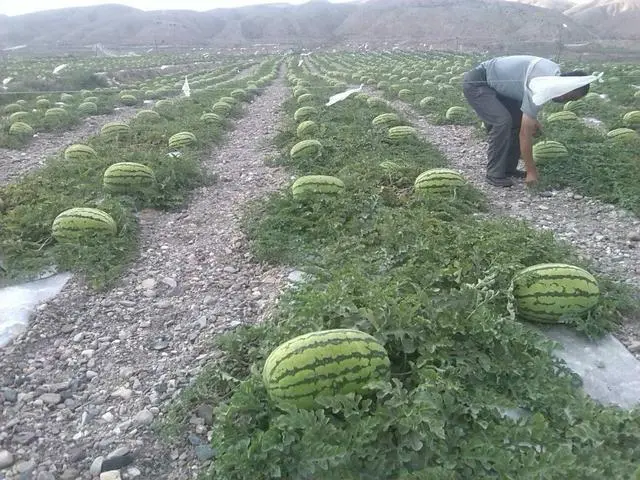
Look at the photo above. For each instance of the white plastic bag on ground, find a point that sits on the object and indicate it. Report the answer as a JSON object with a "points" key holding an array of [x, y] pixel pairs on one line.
{"points": [[338, 97], [547, 88], [185, 88]]}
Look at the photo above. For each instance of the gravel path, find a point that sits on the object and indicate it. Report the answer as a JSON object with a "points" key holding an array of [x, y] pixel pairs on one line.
{"points": [[95, 370], [601, 232]]}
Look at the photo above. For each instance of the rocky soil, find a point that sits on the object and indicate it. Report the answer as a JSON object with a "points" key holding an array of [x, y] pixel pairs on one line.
{"points": [[80, 391], [608, 236]]}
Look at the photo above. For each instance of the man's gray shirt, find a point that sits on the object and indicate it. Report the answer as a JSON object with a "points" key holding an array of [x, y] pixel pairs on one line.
{"points": [[510, 76]]}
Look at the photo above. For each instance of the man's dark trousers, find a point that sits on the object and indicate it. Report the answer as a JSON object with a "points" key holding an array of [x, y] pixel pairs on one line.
{"points": [[502, 117]]}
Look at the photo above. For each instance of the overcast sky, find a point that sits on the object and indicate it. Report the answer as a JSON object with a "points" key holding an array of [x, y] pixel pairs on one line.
{"points": [[15, 7]]}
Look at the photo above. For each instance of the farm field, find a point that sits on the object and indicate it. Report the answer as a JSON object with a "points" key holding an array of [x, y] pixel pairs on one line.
{"points": [[209, 246]]}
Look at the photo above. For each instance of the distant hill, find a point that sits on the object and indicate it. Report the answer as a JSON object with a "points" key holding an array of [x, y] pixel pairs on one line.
{"points": [[466, 22]]}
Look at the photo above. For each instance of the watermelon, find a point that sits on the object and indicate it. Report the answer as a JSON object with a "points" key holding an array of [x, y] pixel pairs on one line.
{"points": [[403, 132], [304, 113], [323, 363], [456, 114], [18, 117], [127, 177], [79, 152], [577, 106], [386, 120], [182, 139], [128, 100], [305, 98], [12, 108], [163, 107], [76, 223], [222, 108], [315, 184], [426, 101], [239, 94], [549, 150], [43, 104], [88, 108], [212, 119], [21, 129], [114, 130], [438, 180], [55, 114], [306, 129], [622, 135], [148, 116], [563, 116], [546, 292], [405, 94], [632, 119], [66, 97], [306, 149], [389, 166]]}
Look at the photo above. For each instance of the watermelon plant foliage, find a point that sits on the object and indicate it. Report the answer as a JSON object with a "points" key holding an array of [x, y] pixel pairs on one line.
{"points": [[474, 392]]}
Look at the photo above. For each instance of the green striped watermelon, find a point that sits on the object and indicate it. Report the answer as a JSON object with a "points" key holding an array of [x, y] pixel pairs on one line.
{"points": [[20, 129], [182, 139], [222, 108], [632, 119], [43, 104], [305, 98], [562, 116], [405, 94], [127, 177], [115, 130], [376, 102], [88, 108], [79, 152], [12, 108], [548, 291], [622, 135], [403, 132], [18, 117], [316, 184], [577, 106], [81, 222], [456, 114], [310, 148], [426, 101], [148, 116], [55, 114], [549, 150], [211, 118], [306, 129], [128, 100], [386, 120], [324, 363], [304, 113], [438, 180]]}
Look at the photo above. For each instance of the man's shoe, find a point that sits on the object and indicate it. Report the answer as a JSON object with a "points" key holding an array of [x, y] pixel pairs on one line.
{"points": [[500, 181], [517, 174]]}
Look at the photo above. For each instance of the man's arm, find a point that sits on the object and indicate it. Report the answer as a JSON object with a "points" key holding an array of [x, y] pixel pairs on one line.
{"points": [[528, 129]]}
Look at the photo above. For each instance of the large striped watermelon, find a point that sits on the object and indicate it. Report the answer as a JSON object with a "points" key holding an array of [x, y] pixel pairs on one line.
{"points": [[376, 102], [317, 184], [306, 129], [324, 363], [182, 139], [21, 129], [621, 135], [88, 108], [78, 151], [456, 114], [148, 116], [562, 116], [222, 108], [310, 148], [115, 130], [386, 120], [546, 292], [211, 118], [304, 113], [438, 180], [127, 177], [403, 132], [632, 119], [81, 222], [549, 150]]}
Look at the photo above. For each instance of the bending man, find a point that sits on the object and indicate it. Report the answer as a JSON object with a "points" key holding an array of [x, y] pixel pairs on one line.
{"points": [[498, 90]]}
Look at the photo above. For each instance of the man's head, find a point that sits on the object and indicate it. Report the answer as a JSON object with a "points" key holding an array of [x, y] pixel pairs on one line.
{"points": [[573, 94]]}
